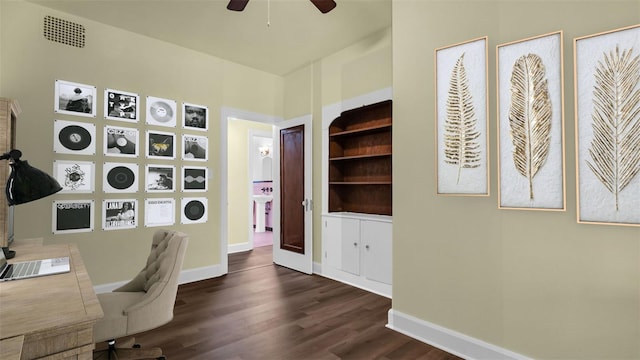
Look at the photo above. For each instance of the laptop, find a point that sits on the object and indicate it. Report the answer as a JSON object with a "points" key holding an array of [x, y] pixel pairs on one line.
{"points": [[29, 269]]}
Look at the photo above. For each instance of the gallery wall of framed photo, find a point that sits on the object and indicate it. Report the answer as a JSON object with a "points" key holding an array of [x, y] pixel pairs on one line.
{"points": [[152, 155], [530, 107]]}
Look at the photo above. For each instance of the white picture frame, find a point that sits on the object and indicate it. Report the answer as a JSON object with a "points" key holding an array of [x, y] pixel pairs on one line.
{"points": [[195, 117], [75, 177], [120, 177], [195, 178], [193, 210], [161, 112], [73, 98], [121, 105], [195, 147], [72, 216], [119, 214], [159, 212], [160, 145], [73, 137], [120, 141], [160, 178]]}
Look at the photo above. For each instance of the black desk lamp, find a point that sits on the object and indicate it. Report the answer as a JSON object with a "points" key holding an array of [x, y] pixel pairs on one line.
{"points": [[26, 184]]}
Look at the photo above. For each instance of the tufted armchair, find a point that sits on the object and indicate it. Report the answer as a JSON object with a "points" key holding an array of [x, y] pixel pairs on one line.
{"points": [[144, 303]]}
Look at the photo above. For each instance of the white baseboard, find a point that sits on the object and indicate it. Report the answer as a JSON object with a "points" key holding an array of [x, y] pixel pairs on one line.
{"points": [[448, 340], [317, 268], [353, 280], [186, 276], [236, 248]]}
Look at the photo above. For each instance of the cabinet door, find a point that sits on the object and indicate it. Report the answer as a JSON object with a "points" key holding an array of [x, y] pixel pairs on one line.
{"points": [[332, 241], [377, 242], [350, 233]]}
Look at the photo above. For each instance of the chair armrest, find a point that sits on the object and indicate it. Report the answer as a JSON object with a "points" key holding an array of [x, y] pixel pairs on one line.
{"points": [[154, 309], [135, 285]]}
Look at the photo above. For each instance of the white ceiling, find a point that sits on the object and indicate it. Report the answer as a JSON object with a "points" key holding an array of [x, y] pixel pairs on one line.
{"points": [[276, 36]]}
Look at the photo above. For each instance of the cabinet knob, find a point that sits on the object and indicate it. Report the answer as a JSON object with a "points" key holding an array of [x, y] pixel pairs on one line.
{"points": [[366, 247], [355, 244]]}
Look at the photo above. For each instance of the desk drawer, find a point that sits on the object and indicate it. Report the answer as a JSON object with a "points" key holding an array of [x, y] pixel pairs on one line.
{"points": [[68, 342]]}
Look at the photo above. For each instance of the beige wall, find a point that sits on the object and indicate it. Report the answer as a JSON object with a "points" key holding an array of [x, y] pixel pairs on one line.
{"points": [[239, 178], [298, 93], [120, 60], [359, 69], [533, 282]]}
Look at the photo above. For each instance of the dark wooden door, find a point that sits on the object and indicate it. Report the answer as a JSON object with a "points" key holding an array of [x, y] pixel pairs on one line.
{"points": [[292, 197]]}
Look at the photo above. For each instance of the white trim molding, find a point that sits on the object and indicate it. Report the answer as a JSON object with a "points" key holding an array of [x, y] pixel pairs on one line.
{"points": [[448, 340], [236, 248], [186, 276]]}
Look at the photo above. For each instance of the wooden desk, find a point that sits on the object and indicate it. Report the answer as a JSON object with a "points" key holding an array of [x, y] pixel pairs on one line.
{"points": [[53, 315]]}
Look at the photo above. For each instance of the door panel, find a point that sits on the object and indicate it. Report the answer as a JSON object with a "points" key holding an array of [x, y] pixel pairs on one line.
{"points": [[292, 189], [293, 205]]}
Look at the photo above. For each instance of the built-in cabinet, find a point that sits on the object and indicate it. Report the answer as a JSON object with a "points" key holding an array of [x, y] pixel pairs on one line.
{"points": [[357, 238], [358, 250], [360, 160]]}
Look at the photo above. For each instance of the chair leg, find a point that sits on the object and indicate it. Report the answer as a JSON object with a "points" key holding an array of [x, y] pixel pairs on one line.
{"points": [[138, 354], [126, 349]]}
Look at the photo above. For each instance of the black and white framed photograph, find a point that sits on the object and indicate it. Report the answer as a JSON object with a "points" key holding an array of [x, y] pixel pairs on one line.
{"points": [[159, 212], [195, 147], [194, 210], [72, 216], [161, 145], [121, 105], [73, 137], [607, 113], [462, 119], [75, 99], [118, 214], [160, 178], [530, 116], [120, 177], [120, 141], [161, 112], [75, 177], [195, 117], [194, 178]]}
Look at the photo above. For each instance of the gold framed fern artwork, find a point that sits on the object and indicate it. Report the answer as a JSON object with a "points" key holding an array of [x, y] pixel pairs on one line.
{"points": [[607, 115], [531, 124], [462, 116]]}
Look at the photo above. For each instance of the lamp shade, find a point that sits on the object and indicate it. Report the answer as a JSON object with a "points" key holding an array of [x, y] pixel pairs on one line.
{"points": [[27, 183]]}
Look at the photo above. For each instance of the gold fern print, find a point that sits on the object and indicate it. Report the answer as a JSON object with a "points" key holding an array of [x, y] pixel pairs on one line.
{"points": [[530, 116], [615, 147], [460, 145]]}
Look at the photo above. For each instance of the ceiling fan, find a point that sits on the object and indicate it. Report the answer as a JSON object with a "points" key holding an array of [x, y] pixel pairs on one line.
{"points": [[323, 5]]}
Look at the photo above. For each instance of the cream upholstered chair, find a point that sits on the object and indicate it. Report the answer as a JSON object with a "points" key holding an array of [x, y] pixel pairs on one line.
{"points": [[144, 303]]}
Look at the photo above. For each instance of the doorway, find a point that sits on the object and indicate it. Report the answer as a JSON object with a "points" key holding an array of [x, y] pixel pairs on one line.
{"points": [[234, 240], [260, 155], [250, 189], [232, 210]]}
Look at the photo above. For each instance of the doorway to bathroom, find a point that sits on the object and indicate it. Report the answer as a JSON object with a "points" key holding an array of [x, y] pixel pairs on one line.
{"points": [[261, 186], [291, 205], [250, 185]]}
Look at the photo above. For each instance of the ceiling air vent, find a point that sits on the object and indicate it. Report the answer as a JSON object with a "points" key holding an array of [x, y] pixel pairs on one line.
{"points": [[63, 31]]}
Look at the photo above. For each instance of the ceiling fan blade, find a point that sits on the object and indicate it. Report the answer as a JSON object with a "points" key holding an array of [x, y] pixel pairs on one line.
{"points": [[237, 5], [324, 5]]}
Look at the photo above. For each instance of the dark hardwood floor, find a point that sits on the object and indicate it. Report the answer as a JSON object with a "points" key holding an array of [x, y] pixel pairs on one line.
{"points": [[248, 260], [263, 311]]}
